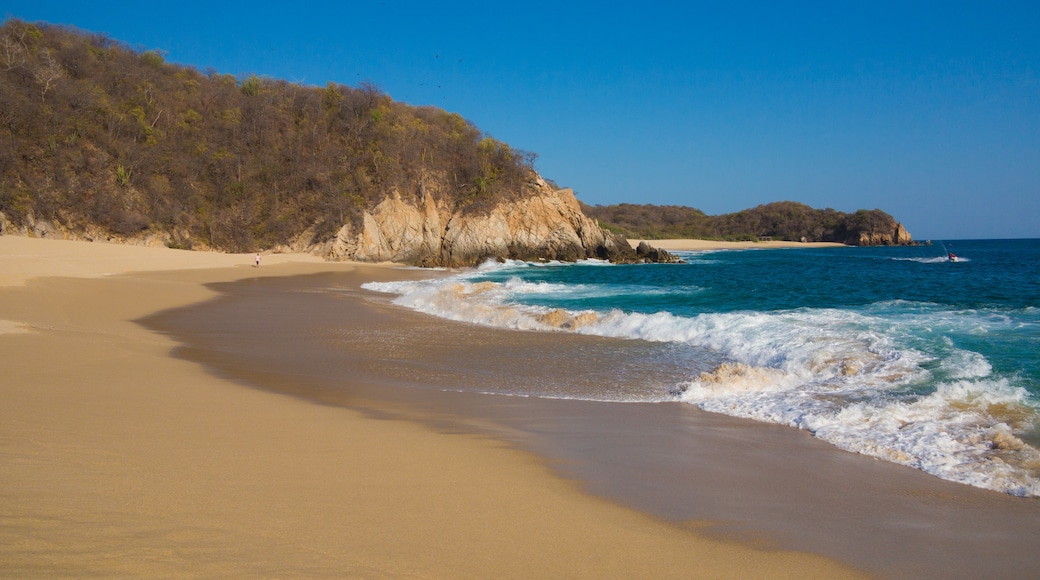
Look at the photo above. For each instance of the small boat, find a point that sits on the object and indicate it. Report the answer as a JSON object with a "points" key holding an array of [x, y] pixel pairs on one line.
{"points": [[952, 257]]}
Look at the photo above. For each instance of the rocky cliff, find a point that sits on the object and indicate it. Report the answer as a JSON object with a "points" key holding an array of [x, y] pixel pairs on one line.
{"points": [[893, 236], [543, 224]]}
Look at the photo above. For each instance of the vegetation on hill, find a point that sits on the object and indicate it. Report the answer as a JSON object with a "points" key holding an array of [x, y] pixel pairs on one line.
{"points": [[94, 133], [100, 138], [783, 220]]}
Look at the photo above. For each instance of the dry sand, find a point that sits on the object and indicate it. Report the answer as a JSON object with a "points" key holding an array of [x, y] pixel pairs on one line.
{"points": [[694, 245], [120, 460]]}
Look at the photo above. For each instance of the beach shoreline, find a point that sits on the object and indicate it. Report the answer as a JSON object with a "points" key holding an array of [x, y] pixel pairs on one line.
{"points": [[121, 459], [724, 476]]}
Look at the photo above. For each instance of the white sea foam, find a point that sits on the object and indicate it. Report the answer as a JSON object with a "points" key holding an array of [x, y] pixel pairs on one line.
{"points": [[882, 381], [929, 259], [518, 286], [963, 364], [698, 257]]}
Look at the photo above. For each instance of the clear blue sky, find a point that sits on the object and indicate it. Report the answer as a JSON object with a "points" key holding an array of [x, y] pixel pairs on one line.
{"points": [[928, 110]]}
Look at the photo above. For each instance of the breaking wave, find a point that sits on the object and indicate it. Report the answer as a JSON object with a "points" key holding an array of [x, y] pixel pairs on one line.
{"points": [[881, 380]]}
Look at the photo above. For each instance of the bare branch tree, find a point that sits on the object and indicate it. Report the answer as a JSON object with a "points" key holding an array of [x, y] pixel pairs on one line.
{"points": [[47, 73], [13, 52]]}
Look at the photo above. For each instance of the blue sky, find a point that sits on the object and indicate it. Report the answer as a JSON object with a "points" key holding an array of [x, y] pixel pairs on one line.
{"points": [[930, 110]]}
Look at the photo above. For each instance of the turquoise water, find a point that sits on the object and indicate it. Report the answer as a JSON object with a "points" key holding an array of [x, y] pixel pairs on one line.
{"points": [[895, 353]]}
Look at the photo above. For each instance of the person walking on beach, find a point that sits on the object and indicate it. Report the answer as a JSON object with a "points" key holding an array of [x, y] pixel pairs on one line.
{"points": [[258, 259]]}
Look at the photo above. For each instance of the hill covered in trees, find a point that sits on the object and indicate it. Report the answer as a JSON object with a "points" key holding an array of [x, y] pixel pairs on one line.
{"points": [[103, 142], [784, 220], [96, 134]]}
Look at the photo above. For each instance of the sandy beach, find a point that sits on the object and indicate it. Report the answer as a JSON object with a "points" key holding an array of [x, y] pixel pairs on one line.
{"points": [[122, 460], [325, 339]]}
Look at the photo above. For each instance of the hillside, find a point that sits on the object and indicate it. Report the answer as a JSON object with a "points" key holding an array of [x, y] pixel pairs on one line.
{"points": [[104, 142], [779, 221]]}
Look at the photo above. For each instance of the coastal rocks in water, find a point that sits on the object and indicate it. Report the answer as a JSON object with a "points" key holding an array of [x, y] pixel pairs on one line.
{"points": [[649, 253]]}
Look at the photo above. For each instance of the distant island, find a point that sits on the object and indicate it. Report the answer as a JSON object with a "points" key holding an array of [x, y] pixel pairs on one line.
{"points": [[104, 142]]}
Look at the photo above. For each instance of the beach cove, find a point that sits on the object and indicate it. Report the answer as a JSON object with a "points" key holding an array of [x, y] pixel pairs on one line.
{"points": [[127, 460], [592, 405], [121, 460]]}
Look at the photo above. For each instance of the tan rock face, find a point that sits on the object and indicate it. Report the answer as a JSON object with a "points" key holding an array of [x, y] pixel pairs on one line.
{"points": [[902, 236], [544, 224], [541, 224], [897, 237]]}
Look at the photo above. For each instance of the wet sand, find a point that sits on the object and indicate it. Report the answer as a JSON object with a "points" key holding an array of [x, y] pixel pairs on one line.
{"points": [[120, 459], [731, 479]]}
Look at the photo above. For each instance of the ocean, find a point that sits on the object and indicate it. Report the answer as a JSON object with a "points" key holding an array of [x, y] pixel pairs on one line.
{"points": [[890, 352]]}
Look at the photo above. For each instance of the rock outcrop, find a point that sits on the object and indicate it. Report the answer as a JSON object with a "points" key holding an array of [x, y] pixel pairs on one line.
{"points": [[50, 229], [543, 224], [648, 253], [896, 236]]}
